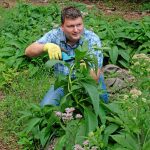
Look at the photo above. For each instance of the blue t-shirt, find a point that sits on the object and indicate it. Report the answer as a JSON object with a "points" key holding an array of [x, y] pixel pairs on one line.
{"points": [[58, 37]]}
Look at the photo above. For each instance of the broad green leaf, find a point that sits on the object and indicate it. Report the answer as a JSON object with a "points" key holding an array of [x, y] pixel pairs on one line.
{"points": [[113, 53], [33, 70], [108, 131], [124, 63], [15, 43], [51, 63], [60, 143], [25, 114], [122, 44], [80, 53], [35, 107], [148, 34], [91, 119], [94, 95], [43, 137], [144, 46], [146, 145], [18, 62], [81, 133], [126, 140], [10, 35], [119, 147], [102, 114], [6, 54], [115, 119], [31, 123], [10, 61], [113, 107], [75, 87], [124, 54]]}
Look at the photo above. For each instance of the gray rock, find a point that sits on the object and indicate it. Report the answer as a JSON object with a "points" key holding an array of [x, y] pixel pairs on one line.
{"points": [[116, 78]]}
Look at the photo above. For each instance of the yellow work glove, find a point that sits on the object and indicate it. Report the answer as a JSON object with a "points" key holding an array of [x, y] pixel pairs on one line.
{"points": [[53, 50]]}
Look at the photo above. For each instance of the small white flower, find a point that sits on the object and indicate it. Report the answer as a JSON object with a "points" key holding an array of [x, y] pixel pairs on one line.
{"points": [[78, 116], [69, 110], [137, 56], [78, 147], [86, 142], [64, 114], [134, 96], [68, 114], [94, 148], [125, 97], [148, 69], [58, 113], [135, 93]]}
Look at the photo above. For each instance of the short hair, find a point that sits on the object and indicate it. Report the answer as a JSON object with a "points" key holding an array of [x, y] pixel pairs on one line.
{"points": [[70, 12]]}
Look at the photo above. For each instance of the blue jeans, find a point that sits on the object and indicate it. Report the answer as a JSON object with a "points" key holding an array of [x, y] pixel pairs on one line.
{"points": [[53, 97]]}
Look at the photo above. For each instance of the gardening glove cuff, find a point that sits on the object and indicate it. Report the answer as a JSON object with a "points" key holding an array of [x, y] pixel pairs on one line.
{"points": [[53, 50]]}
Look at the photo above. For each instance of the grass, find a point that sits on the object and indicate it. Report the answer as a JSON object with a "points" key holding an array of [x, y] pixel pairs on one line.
{"points": [[23, 91], [129, 5]]}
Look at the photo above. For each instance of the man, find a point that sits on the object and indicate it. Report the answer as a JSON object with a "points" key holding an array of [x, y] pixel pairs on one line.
{"points": [[67, 37]]}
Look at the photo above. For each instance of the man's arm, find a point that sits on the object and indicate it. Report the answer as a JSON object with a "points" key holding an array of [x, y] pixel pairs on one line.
{"points": [[94, 40], [95, 75], [33, 50]]}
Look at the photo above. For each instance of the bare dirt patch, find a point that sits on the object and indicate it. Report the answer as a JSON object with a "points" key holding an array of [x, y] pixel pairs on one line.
{"points": [[120, 8], [3, 146]]}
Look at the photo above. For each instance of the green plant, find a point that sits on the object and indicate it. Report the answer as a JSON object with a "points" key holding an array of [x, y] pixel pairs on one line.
{"points": [[22, 90], [140, 69], [81, 92], [120, 39]]}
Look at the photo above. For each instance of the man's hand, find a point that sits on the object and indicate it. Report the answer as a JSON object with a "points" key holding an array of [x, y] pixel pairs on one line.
{"points": [[53, 50], [95, 75]]}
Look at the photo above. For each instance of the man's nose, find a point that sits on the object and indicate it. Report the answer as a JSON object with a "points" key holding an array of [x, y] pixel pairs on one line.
{"points": [[75, 28]]}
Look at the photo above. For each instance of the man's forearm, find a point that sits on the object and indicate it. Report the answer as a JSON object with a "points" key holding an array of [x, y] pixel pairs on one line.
{"points": [[34, 50]]}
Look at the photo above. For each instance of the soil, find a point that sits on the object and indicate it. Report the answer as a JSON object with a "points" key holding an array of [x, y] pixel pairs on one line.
{"points": [[3, 146], [126, 13]]}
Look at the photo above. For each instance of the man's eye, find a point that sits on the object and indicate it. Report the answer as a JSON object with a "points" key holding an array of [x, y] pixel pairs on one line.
{"points": [[78, 25], [70, 26]]}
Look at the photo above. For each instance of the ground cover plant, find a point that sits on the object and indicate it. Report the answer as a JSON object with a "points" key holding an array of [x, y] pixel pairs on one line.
{"points": [[121, 124]]}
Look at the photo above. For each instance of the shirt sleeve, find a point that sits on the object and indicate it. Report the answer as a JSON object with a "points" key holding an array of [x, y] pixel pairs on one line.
{"points": [[95, 41], [49, 37]]}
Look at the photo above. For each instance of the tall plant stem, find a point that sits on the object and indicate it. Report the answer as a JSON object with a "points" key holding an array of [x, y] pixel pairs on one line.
{"points": [[70, 82]]}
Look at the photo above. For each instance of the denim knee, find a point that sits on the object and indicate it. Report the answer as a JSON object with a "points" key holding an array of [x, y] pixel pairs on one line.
{"points": [[53, 96], [104, 96]]}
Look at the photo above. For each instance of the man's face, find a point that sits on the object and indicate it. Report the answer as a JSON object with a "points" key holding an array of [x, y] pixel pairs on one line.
{"points": [[73, 28]]}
